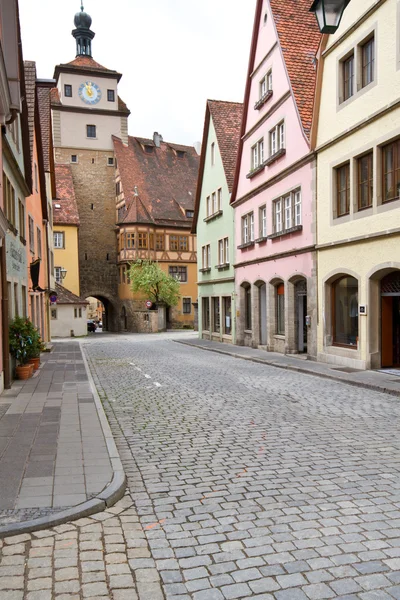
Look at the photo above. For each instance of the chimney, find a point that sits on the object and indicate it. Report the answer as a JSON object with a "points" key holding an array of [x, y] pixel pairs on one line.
{"points": [[157, 139], [197, 147]]}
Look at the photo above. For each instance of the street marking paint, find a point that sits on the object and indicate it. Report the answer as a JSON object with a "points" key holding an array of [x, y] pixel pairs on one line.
{"points": [[152, 525], [242, 473]]}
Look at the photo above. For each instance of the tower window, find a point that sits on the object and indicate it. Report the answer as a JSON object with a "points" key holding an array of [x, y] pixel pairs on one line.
{"points": [[92, 161], [92, 206], [110, 161], [91, 131], [111, 95], [68, 90], [74, 158]]}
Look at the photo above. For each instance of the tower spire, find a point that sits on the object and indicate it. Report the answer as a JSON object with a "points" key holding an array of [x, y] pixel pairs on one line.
{"points": [[83, 33]]}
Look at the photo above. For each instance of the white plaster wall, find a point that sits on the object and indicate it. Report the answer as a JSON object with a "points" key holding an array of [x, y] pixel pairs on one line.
{"points": [[76, 81], [61, 327], [73, 130]]}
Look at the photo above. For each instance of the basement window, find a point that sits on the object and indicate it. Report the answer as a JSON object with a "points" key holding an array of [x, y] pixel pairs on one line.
{"points": [[74, 158], [110, 161]]}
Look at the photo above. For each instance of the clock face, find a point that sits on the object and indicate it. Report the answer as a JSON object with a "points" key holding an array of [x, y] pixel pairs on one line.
{"points": [[89, 92]]}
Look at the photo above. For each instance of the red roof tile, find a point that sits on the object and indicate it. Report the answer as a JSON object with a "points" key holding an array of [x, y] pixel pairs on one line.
{"points": [[64, 296], [227, 118], [67, 213], [299, 38], [55, 96], [165, 184], [86, 63], [30, 84]]}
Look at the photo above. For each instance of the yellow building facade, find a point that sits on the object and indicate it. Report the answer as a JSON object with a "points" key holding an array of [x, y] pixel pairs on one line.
{"points": [[357, 139]]}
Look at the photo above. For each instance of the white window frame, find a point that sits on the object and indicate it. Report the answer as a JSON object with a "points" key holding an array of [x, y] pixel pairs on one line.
{"points": [[221, 252], [56, 236], [206, 256], [219, 198], [263, 221], [257, 154], [287, 211], [214, 202], [248, 228], [266, 84], [278, 215], [277, 138], [226, 250], [208, 206], [57, 274]]}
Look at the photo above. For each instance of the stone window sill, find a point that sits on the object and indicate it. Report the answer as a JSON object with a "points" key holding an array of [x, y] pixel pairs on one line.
{"points": [[261, 239], [285, 232], [22, 240], [280, 336], [205, 270], [263, 100], [213, 216], [246, 245], [222, 267], [255, 171], [275, 157]]}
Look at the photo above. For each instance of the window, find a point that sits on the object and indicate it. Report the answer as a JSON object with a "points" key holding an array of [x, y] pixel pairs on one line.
{"points": [[345, 311], [183, 243], [110, 161], [287, 212], [142, 240], [39, 242], [277, 139], [368, 62], [130, 240], [91, 131], [9, 200], [111, 95], [247, 308], [31, 234], [266, 84], [180, 273], [75, 313], [365, 181], [118, 188], [262, 221], [35, 176], [343, 190], [280, 309], [58, 238], [208, 206], [180, 153], [16, 309], [213, 153], [21, 214], [148, 149], [227, 308], [74, 158], [223, 251], [219, 198], [214, 202], [189, 214], [57, 274], [53, 313], [391, 171], [68, 90], [257, 154], [160, 241], [206, 256], [23, 294], [348, 77], [173, 242], [248, 228], [216, 315], [186, 306], [205, 304]]}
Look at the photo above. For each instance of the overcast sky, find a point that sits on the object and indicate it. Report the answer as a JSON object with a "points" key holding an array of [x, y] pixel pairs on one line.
{"points": [[173, 54]]}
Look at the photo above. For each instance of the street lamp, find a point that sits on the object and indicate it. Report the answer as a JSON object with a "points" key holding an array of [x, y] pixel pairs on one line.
{"points": [[63, 272], [329, 13]]}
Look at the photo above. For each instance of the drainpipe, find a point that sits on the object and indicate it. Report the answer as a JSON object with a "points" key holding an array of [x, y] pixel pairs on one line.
{"points": [[4, 307]]}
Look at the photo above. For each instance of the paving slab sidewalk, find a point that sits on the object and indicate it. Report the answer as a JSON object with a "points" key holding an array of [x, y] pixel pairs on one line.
{"points": [[58, 459], [382, 381]]}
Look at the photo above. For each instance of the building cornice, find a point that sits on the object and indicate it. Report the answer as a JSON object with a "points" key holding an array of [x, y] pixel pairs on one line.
{"points": [[222, 280], [85, 70], [276, 256], [360, 239], [360, 125], [353, 27], [267, 115], [92, 111], [267, 184]]}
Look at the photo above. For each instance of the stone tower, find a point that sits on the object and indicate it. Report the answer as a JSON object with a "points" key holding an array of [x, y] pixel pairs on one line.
{"points": [[86, 113]]}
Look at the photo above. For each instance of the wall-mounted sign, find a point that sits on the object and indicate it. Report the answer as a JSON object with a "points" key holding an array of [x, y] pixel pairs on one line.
{"points": [[149, 304], [53, 299], [362, 309]]}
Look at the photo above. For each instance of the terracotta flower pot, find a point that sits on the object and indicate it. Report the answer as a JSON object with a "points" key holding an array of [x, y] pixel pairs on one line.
{"points": [[23, 371], [35, 362]]}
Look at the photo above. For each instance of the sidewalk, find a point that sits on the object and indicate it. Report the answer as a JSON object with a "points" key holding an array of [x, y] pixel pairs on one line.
{"points": [[387, 381], [58, 460]]}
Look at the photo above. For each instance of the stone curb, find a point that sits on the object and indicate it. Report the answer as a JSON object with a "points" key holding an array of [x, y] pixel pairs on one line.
{"points": [[271, 363], [113, 492]]}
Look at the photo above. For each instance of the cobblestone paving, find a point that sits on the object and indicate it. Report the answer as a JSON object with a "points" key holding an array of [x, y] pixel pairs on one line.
{"points": [[245, 481]]}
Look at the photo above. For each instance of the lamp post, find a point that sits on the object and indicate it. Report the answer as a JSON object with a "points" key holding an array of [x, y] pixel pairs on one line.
{"points": [[329, 13], [63, 273]]}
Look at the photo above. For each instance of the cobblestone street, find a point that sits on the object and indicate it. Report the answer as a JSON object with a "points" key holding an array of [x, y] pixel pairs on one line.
{"points": [[244, 481]]}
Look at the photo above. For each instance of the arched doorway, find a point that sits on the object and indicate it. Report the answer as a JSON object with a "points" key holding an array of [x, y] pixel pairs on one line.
{"points": [[262, 290], [300, 315], [109, 314], [390, 320], [123, 320]]}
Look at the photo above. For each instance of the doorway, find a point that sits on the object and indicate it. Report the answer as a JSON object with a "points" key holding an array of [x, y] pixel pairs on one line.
{"points": [[390, 320], [263, 314], [124, 319], [301, 312]]}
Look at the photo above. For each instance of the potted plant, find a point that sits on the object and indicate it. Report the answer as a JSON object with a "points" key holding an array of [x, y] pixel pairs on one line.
{"points": [[19, 343], [35, 346]]}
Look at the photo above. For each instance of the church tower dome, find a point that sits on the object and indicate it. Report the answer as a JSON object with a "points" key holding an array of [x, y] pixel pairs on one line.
{"points": [[83, 33]]}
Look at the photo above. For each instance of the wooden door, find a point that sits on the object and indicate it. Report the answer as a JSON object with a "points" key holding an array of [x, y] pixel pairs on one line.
{"points": [[387, 331]]}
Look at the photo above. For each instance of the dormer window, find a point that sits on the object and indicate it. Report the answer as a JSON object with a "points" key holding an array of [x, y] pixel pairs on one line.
{"points": [[189, 214], [148, 149], [68, 90], [180, 153]]}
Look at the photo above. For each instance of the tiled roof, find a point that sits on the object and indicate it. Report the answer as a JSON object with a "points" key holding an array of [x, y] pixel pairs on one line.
{"points": [[165, 184], [64, 296], [67, 214], [299, 38], [86, 63], [45, 123], [122, 107], [30, 83], [227, 118], [55, 96]]}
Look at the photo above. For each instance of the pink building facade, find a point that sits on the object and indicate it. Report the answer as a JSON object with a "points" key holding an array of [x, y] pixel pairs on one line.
{"points": [[274, 189]]}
